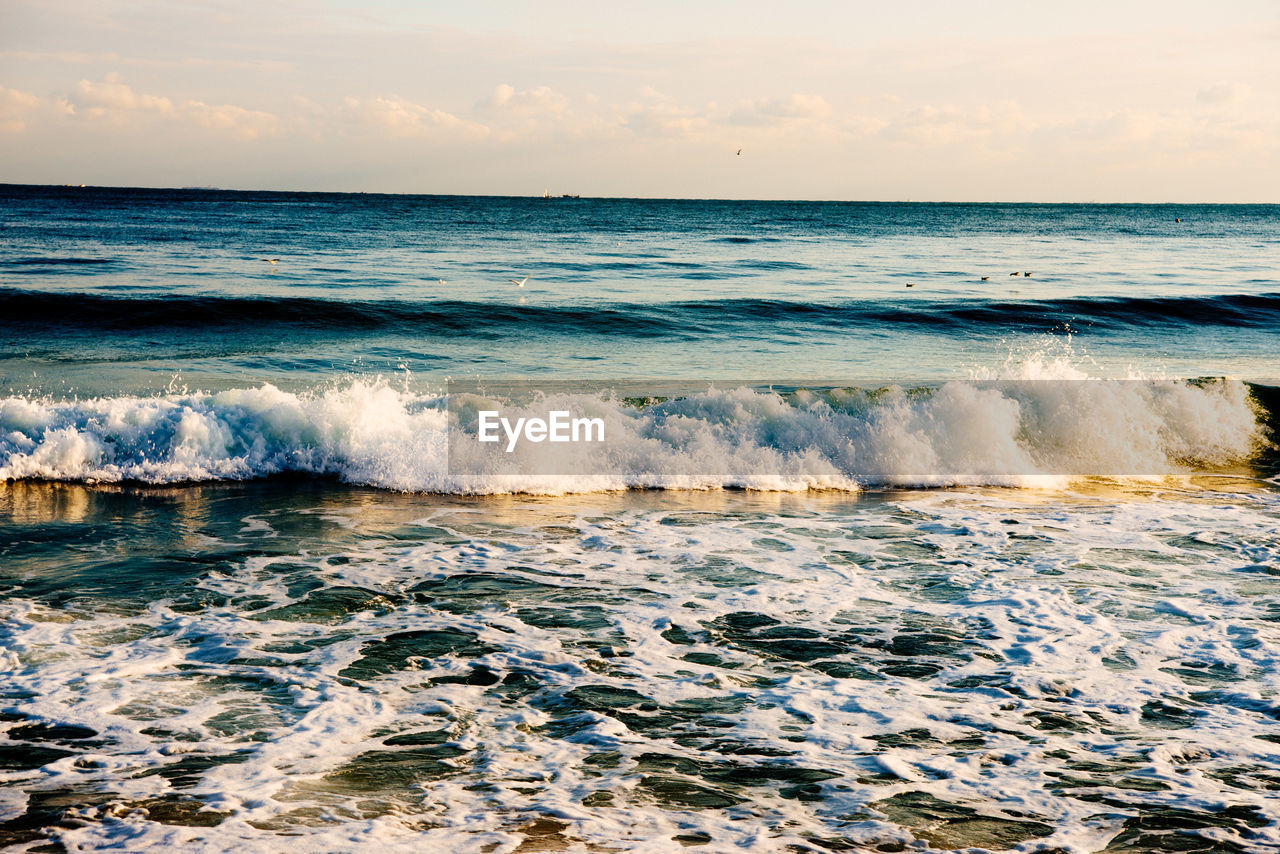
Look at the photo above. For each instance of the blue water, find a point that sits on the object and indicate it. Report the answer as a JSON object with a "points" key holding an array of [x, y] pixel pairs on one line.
{"points": [[104, 290], [245, 605]]}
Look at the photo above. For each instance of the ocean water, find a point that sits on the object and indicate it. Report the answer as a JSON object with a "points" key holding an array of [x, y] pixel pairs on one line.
{"points": [[881, 556]]}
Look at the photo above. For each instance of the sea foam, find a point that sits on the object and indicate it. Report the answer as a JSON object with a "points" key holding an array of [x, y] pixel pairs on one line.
{"points": [[1020, 431]]}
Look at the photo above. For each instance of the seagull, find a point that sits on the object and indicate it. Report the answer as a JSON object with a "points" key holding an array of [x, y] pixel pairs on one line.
{"points": [[739, 152], [519, 283], [269, 260], [1026, 275], [1015, 274], [443, 281], [984, 278]]}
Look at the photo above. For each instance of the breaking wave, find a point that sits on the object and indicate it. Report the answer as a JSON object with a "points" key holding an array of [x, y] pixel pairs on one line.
{"points": [[1020, 431]]}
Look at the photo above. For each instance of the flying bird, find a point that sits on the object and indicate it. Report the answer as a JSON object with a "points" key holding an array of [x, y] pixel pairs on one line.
{"points": [[519, 283], [269, 260], [739, 152]]}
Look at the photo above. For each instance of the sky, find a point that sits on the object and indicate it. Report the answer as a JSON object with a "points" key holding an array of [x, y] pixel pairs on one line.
{"points": [[985, 100]]}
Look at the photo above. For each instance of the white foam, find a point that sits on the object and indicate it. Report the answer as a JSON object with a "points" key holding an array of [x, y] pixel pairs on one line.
{"points": [[1022, 430], [1105, 582]]}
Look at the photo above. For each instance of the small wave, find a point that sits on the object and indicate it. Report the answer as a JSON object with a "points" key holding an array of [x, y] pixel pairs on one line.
{"points": [[1013, 432], [58, 262], [681, 319], [753, 264], [95, 311]]}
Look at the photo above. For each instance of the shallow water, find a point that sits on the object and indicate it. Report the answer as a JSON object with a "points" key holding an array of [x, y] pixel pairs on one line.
{"points": [[350, 667]]}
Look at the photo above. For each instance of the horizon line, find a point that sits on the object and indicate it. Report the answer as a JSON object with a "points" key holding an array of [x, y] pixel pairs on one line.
{"points": [[582, 197]]}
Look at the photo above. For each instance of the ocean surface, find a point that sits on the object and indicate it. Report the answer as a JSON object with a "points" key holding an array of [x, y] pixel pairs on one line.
{"points": [[890, 549]]}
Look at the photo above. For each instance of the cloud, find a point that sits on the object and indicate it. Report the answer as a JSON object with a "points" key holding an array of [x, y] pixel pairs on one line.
{"points": [[112, 101], [657, 114], [111, 98], [539, 103], [246, 124], [544, 113], [948, 125], [401, 118], [545, 128], [15, 108], [1223, 93], [772, 111], [74, 57]]}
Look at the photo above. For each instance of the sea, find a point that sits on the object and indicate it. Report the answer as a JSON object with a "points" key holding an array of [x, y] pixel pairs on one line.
{"points": [[920, 526]]}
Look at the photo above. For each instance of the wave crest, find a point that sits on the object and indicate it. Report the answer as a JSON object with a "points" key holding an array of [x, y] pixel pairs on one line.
{"points": [[679, 320], [1006, 432]]}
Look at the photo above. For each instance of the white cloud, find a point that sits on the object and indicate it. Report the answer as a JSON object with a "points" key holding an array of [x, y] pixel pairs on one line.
{"points": [[536, 126], [540, 101], [657, 114], [519, 113], [950, 124], [15, 109], [401, 118], [850, 98], [111, 98], [502, 95], [246, 124], [543, 113]]}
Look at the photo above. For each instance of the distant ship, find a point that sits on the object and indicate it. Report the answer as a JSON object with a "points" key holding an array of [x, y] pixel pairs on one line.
{"points": [[546, 194]]}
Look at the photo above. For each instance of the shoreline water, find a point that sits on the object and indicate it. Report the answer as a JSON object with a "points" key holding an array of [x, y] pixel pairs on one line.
{"points": [[869, 667]]}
